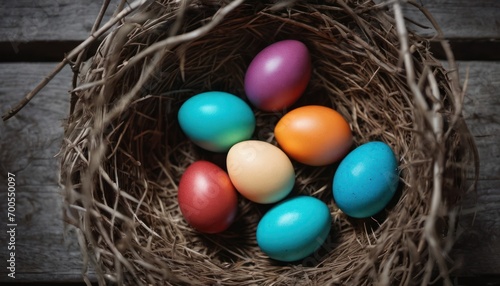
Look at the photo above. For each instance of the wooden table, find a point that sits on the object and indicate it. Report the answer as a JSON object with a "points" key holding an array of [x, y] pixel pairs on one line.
{"points": [[34, 34]]}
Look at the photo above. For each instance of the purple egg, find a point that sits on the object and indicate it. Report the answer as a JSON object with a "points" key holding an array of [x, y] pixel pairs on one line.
{"points": [[278, 75]]}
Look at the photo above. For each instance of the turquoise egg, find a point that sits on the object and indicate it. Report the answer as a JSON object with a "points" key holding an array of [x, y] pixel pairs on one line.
{"points": [[216, 120], [294, 228], [366, 180]]}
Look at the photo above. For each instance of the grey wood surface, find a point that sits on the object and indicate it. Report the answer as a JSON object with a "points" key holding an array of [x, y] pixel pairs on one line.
{"points": [[47, 250], [478, 248], [62, 20], [48, 20], [461, 19]]}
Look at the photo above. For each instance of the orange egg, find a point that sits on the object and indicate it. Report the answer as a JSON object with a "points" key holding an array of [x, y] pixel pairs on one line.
{"points": [[314, 135]]}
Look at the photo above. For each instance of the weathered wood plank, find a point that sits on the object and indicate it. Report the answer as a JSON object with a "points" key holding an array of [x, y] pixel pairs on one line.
{"points": [[64, 20], [476, 250], [48, 20], [43, 251], [44, 30], [29, 141], [28, 144], [481, 107], [461, 19]]}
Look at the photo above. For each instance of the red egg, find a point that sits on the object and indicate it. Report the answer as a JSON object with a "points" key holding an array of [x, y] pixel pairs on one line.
{"points": [[207, 198]]}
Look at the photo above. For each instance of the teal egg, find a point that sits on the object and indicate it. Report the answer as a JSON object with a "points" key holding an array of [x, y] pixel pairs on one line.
{"points": [[216, 120], [294, 228], [366, 180]]}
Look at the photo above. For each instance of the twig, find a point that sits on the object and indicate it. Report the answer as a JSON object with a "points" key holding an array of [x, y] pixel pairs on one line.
{"points": [[82, 54], [27, 98], [452, 70], [163, 44], [433, 117], [405, 52]]}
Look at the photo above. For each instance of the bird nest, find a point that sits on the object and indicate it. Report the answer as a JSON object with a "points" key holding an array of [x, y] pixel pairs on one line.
{"points": [[124, 152]]}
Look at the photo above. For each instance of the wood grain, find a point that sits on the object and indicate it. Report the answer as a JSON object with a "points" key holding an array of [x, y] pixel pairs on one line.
{"points": [[482, 104], [477, 248], [48, 20], [44, 30], [66, 20], [462, 19], [46, 249]]}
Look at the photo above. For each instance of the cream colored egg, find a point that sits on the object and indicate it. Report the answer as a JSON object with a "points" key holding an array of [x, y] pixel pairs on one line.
{"points": [[260, 171]]}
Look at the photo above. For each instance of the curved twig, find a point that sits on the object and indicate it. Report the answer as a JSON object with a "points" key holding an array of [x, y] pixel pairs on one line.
{"points": [[94, 36]]}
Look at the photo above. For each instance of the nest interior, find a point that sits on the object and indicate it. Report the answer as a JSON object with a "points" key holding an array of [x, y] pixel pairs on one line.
{"points": [[124, 152]]}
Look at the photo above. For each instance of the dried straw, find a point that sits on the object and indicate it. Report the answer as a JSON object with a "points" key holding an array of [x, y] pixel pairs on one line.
{"points": [[123, 152]]}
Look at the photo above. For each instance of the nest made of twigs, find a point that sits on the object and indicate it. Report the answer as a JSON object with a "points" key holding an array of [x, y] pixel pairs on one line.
{"points": [[124, 153]]}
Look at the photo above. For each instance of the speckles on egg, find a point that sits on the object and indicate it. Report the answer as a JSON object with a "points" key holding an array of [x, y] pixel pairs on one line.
{"points": [[366, 180]]}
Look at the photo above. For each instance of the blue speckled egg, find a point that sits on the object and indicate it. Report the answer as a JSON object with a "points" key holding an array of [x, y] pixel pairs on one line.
{"points": [[294, 228], [366, 180], [216, 120]]}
